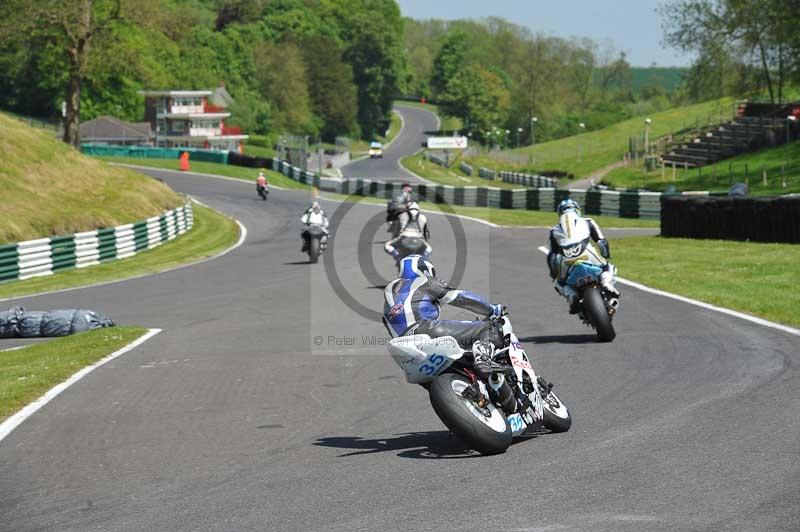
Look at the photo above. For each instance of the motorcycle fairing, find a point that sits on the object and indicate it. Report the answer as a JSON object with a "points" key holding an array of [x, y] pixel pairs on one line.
{"points": [[422, 358], [583, 273]]}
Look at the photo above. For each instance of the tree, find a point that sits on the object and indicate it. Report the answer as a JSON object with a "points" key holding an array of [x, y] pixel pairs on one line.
{"points": [[330, 84], [449, 60], [479, 98], [74, 29], [283, 80]]}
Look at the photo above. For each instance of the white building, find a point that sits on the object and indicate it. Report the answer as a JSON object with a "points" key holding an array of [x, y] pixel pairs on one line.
{"points": [[187, 119]]}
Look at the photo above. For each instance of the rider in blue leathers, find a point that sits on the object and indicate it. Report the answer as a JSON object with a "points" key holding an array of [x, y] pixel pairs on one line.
{"points": [[412, 306]]}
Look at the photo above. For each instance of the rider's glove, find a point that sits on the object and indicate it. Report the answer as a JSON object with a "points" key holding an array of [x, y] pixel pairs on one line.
{"points": [[497, 311]]}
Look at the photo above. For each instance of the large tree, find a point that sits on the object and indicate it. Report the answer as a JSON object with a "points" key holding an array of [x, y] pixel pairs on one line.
{"points": [[75, 31], [479, 98]]}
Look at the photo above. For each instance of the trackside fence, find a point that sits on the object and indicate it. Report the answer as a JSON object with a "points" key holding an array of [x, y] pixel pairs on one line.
{"points": [[45, 256]]}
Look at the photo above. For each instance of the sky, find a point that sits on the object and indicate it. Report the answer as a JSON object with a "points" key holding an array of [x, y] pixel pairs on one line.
{"points": [[631, 25]]}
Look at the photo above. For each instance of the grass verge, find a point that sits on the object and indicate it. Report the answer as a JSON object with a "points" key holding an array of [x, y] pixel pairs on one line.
{"points": [[448, 123], [237, 172], [27, 373], [212, 233], [511, 217], [447, 176], [779, 164], [743, 276]]}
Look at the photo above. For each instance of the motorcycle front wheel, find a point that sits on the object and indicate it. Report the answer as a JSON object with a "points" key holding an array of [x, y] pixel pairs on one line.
{"points": [[556, 415], [313, 250], [485, 430]]}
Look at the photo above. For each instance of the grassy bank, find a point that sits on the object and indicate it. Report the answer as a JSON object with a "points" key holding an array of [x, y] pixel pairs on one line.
{"points": [[50, 189], [580, 155], [211, 234], [780, 164], [447, 176], [27, 373], [238, 172], [742, 276]]}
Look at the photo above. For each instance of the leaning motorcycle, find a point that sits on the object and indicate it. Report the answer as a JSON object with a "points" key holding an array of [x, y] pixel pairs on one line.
{"points": [[485, 414], [596, 305], [263, 192], [315, 241]]}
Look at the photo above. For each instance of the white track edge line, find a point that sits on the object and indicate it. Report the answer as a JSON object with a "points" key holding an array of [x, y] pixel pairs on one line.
{"points": [[708, 306], [242, 237], [7, 426]]}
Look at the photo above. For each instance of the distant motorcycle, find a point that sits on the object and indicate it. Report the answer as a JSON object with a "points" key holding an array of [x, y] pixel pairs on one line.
{"points": [[484, 414], [597, 305], [262, 191], [315, 239]]}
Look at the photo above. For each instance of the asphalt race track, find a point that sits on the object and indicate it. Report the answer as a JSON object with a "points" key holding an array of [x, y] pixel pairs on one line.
{"points": [[234, 419], [416, 123]]}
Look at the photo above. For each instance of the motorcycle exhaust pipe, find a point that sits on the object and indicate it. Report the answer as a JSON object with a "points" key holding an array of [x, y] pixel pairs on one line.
{"points": [[613, 305], [503, 393]]}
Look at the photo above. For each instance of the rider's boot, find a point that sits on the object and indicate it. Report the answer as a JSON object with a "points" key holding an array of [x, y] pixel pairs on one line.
{"points": [[305, 246], [569, 294], [607, 281], [482, 352]]}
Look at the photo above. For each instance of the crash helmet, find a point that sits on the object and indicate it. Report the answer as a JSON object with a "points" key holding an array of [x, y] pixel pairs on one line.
{"points": [[569, 205], [261, 174], [413, 206], [414, 266]]}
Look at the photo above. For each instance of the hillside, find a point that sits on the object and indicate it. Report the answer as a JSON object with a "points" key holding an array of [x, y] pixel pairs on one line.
{"points": [[668, 78], [49, 189], [581, 155], [780, 165]]}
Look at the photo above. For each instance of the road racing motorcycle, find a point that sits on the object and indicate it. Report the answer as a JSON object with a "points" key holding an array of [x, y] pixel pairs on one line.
{"points": [[485, 414], [263, 192], [410, 245], [596, 305], [315, 240]]}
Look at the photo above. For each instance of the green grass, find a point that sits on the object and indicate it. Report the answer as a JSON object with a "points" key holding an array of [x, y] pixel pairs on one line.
{"points": [[720, 176], [360, 147], [580, 155], [212, 233], [448, 123], [27, 373], [258, 151], [739, 275], [448, 176], [238, 172], [511, 217], [50, 189]]}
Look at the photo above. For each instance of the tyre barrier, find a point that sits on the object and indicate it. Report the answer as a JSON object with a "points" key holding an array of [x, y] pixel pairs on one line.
{"points": [[45, 256], [528, 180], [486, 173], [624, 204], [467, 169], [769, 219]]}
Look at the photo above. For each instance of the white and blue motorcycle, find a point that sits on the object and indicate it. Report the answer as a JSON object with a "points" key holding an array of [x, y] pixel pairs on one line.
{"points": [[583, 268], [484, 414]]}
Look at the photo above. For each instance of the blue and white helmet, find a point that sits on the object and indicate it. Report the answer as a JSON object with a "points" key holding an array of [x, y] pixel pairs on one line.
{"points": [[414, 266], [569, 205]]}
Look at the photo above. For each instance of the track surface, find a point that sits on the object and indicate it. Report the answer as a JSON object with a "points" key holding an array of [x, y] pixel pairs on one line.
{"points": [[415, 123], [233, 419]]}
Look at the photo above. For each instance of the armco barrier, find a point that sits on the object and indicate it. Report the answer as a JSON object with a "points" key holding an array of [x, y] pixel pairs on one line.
{"points": [[625, 204], [45, 256], [150, 152], [771, 219]]}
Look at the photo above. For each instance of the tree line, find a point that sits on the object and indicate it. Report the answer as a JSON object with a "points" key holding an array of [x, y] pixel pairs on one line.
{"points": [[308, 67], [743, 47], [499, 77]]}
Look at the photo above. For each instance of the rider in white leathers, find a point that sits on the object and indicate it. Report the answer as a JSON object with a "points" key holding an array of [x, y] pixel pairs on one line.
{"points": [[412, 224], [570, 221], [315, 216]]}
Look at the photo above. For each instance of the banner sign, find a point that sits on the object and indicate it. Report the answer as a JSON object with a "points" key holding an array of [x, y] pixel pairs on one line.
{"points": [[447, 143]]}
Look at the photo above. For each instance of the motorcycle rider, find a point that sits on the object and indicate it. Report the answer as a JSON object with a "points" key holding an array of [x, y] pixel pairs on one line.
{"points": [[314, 215], [559, 269], [261, 183], [412, 304], [396, 206], [412, 223]]}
